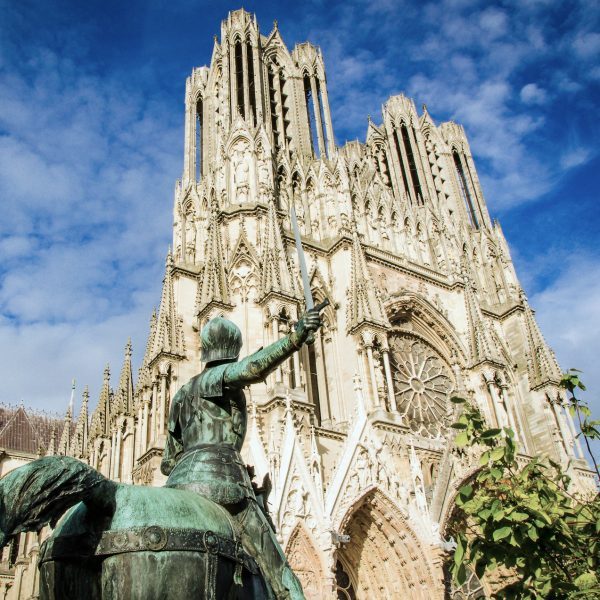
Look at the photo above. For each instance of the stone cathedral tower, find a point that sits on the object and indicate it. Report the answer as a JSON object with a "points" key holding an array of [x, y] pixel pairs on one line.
{"points": [[425, 303]]}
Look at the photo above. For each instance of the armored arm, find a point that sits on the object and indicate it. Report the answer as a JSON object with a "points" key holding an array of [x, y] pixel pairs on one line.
{"points": [[257, 366]]}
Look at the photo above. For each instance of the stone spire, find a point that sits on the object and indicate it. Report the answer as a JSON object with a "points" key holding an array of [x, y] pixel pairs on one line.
{"points": [[276, 273], [80, 436], [212, 287], [481, 344], [124, 398], [143, 373], [169, 326], [100, 424], [542, 366], [52, 444], [64, 445], [364, 303]]}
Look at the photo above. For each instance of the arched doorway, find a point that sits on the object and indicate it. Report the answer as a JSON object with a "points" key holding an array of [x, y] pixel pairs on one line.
{"points": [[384, 558]]}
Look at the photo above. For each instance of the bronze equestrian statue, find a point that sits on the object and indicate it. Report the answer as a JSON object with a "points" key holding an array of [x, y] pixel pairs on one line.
{"points": [[204, 535]]}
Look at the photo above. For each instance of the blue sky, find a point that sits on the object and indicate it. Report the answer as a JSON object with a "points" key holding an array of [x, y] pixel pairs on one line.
{"points": [[91, 117]]}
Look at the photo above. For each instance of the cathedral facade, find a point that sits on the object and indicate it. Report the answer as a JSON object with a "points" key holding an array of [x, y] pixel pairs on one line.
{"points": [[354, 430]]}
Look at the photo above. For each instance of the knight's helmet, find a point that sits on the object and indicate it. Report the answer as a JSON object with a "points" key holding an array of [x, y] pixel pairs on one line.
{"points": [[220, 340]]}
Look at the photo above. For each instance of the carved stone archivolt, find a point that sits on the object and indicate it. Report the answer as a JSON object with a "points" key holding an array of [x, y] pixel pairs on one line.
{"points": [[306, 562], [384, 558], [422, 385]]}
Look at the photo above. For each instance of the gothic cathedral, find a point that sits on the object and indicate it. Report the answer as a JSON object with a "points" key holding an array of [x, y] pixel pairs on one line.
{"points": [[424, 304]]}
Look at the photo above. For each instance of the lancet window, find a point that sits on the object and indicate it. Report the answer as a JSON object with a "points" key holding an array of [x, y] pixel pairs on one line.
{"points": [[414, 175], [344, 585], [199, 141], [464, 190], [251, 82], [322, 115], [239, 79], [402, 169], [317, 362], [311, 116]]}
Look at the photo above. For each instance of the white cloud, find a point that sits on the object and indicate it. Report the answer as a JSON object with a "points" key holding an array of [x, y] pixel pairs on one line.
{"points": [[587, 45], [575, 157], [531, 93]]}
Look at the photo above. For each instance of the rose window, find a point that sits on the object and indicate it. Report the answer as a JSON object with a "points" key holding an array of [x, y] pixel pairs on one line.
{"points": [[422, 385]]}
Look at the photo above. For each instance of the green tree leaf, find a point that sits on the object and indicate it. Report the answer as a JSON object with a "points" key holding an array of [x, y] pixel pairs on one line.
{"points": [[501, 533]]}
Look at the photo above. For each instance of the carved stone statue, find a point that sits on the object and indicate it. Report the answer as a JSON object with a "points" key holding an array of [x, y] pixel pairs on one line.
{"points": [[205, 535], [241, 174], [190, 239]]}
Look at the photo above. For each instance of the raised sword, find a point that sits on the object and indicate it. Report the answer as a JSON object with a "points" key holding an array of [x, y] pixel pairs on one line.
{"points": [[308, 297]]}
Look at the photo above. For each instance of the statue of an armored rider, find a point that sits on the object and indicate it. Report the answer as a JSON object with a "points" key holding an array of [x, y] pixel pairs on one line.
{"points": [[206, 430]]}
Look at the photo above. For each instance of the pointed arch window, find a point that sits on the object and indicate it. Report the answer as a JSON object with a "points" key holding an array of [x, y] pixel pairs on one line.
{"points": [[319, 374], [251, 82], [199, 139], [239, 78], [322, 114], [412, 165], [402, 169], [13, 552], [464, 190], [344, 585], [310, 116]]}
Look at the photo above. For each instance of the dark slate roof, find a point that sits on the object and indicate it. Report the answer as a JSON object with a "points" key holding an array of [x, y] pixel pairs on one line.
{"points": [[23, 430]]}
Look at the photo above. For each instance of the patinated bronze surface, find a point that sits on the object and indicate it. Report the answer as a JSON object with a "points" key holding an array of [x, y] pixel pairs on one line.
{"points": [[204, 535]]}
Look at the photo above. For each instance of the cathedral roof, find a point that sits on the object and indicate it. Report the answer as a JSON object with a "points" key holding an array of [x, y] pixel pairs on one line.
{"points": [[26, 431]]}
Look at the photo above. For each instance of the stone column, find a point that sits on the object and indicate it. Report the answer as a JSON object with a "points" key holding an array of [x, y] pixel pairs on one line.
{"points": [[374, 392], [275, 335], [501, 420], [117, 464], [297, 369], [154, 406], [138, 433], [162, 404], [113, 447], [363, 379], [144, 440], [317, 111], [520, 432], [257, 84], [388, 379], [279, 102]]}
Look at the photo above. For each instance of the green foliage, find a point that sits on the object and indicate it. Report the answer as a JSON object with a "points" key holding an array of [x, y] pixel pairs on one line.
{"points": [[520, 520]]}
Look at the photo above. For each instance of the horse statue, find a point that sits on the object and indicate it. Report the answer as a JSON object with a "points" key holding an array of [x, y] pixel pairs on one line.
{"points": [[206, 534]]}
